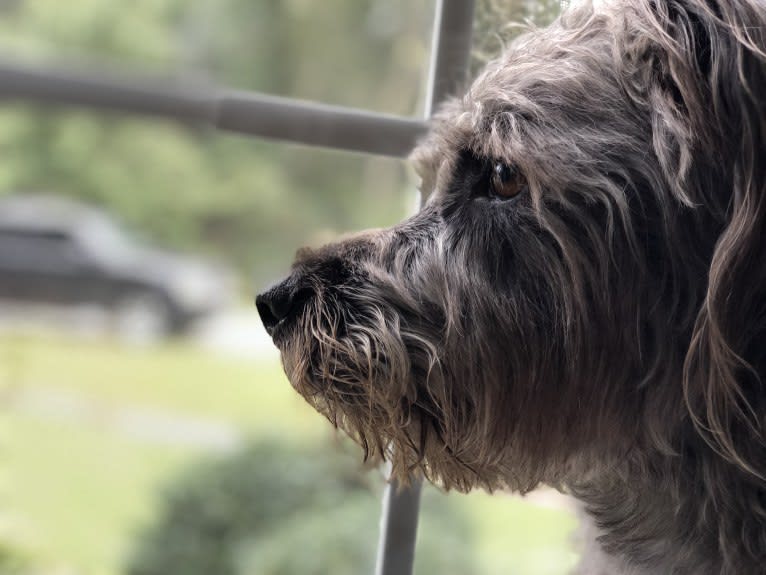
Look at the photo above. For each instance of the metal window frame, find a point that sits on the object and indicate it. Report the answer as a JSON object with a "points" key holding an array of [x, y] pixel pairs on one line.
{"points": [[282, 119]]}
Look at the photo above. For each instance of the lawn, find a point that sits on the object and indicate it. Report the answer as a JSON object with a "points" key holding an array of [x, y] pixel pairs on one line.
{"points": [[78, 482]]}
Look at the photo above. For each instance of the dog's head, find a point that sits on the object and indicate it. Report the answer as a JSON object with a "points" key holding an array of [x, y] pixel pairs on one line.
{"points": [[587, 274]]}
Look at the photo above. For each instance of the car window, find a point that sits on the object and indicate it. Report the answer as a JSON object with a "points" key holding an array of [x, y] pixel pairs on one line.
{"points": [[43, 251]]}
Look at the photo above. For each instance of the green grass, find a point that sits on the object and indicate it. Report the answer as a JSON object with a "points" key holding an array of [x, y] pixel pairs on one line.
{"points": [[175, 377], [76, 489], [78, 494]]}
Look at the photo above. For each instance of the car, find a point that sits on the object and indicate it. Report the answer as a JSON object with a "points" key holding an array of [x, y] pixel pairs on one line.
{"points": [[59, 251]]}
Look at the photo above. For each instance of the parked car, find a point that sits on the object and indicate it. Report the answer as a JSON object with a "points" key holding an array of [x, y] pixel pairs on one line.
{"points": [[58, 251]]}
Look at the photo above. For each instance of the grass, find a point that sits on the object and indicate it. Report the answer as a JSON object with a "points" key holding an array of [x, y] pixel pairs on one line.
{"points": [[77, 494], [174, 377], [76, 489]]}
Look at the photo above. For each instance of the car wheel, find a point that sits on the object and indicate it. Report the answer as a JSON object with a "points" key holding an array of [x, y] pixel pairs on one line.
{"points": [[142, 319]]}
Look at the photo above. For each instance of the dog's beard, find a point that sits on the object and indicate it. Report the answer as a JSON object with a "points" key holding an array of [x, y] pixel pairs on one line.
{"points": [[353, 371], [399, 360], [371, 360]]}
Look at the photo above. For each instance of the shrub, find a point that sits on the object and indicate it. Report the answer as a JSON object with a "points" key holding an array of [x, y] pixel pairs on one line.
{"points": [[281, 509]]}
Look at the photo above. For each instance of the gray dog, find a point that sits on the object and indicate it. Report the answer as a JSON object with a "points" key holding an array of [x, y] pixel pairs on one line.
{"points": [[581, 302]]}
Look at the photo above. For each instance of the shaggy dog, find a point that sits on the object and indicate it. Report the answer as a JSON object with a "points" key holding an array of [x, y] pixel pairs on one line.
{"points": [[581, 301]]}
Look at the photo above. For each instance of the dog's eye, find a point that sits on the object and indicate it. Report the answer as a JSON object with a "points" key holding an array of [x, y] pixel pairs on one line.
{"points": [[506, 181]]}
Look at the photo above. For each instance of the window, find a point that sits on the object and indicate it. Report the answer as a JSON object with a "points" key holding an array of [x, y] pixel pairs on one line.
{"points": [[117, 424], [39, 251]]}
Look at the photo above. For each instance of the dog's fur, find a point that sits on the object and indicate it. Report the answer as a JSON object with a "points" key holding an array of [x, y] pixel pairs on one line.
{"points": [[604, 332]]}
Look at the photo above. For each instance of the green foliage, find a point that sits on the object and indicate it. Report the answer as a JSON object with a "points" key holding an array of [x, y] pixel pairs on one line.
{"points": [[280, 509]]}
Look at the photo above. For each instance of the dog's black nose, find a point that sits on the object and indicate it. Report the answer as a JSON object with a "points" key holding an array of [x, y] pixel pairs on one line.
{"points": [[280, 303]]}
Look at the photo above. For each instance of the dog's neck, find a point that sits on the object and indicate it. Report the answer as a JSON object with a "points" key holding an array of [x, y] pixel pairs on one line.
{"points": [[666, 519]]}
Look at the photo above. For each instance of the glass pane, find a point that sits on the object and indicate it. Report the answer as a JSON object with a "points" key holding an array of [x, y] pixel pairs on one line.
{"points": [[142, 446], [370, 54]]}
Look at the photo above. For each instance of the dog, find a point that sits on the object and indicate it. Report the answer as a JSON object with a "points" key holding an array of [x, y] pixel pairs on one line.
{"points": [[581, 300]]}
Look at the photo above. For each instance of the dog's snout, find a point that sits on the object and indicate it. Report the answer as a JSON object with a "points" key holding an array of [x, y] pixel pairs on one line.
{"points": [[280, 303]]}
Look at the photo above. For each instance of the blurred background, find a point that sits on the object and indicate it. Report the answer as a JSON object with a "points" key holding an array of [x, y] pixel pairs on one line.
{"points": [[146, 427]]}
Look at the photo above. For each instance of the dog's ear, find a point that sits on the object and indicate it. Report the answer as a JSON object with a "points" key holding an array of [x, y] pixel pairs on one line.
{"points": [[664, 53], [715, 102], [680, 61]]}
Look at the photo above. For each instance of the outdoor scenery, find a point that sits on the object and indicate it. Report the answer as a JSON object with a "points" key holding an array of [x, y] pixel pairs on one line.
{"points": [[146, 427]]}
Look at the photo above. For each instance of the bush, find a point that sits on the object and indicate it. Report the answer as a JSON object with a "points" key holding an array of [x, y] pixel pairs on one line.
{"points": [[281, 509]]}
